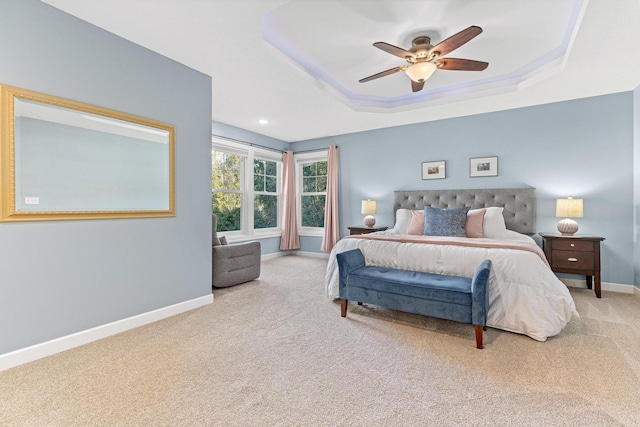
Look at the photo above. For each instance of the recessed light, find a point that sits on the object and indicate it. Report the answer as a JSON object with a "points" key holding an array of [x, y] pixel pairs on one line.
{"points": [[263, 121]]}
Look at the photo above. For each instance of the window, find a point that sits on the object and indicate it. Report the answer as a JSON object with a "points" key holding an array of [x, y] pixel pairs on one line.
{"points": [[312, 191], [246, 199], [265, 199], [226, 199]]}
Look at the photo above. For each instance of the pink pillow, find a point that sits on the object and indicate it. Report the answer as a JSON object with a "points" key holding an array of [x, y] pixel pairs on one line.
{"points": [[416, 226], [474, 225]]}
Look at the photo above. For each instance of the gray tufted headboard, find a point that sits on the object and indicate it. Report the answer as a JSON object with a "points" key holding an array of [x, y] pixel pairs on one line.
{"points": [[519, 203]]}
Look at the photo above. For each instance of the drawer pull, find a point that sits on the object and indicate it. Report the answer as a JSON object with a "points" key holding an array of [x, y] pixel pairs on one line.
{"points": [[572, 259], [573, 245]]}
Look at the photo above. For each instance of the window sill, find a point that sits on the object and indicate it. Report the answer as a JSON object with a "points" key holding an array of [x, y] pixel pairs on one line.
{"points": [[311, 232], [236, 238]]}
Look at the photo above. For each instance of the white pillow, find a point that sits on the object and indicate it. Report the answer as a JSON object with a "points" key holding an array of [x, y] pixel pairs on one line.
{"points": [[493, 224], [403, 219]]}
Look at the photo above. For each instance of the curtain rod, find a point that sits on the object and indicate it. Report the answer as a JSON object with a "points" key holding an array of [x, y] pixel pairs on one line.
{"points": [[265, 147], [311, 150], [246, 143]]}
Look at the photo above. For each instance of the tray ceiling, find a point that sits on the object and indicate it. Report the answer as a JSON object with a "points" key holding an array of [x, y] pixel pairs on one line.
{"points": [[297, 63]]}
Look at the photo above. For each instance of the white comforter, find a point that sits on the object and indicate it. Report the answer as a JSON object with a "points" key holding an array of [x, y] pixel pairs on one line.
{"points": [[524, 295]]}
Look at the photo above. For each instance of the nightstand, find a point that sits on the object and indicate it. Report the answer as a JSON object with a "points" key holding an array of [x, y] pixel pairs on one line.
{"points": [[364, 230], [577, 254]]}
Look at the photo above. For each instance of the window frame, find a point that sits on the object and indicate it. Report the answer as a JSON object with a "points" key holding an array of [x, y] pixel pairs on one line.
{"points": [[300, 160], [277, 193], [247, 155]]}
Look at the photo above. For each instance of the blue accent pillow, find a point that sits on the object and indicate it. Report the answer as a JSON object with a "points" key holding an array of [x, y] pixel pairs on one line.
{"points": [[445, 222]]}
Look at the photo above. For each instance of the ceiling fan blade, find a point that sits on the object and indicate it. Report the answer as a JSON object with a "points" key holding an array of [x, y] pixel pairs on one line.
{"points": [[455, 41], [461, 64], [393, 50], [417, 86], [383, 73]]}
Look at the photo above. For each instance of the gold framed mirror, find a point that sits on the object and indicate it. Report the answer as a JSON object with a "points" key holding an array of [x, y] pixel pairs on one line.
{"points": [[62, 160]]}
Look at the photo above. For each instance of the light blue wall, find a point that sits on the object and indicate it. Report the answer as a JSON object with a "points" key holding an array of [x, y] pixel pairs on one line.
{"points": [[581, 148], [61, 277]]}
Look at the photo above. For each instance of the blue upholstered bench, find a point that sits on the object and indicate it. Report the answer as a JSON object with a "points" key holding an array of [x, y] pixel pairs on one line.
{"points": [[447, 297]]}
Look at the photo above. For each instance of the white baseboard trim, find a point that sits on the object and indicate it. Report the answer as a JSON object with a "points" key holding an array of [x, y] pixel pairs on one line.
{"points": [[296, 253], [274, 255], [310, 254], [605, 286], [48, 348]]}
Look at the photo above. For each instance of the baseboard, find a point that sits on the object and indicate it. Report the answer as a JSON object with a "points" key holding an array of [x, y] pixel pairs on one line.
{"points": [[310, 254], [605, 286], [296, 253], [48, 348], [274, 255]]}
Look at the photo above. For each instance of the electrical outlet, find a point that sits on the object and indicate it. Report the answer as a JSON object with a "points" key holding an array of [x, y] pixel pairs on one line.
{"points": [[32, 200]]}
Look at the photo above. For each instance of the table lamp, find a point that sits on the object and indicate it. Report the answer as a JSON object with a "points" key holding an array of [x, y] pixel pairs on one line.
{"points": [[568, 208], [368, 209]]}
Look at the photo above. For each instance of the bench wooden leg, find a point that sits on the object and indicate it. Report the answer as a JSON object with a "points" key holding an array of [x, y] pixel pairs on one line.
{"points": [[478, 336], [343, 308]]}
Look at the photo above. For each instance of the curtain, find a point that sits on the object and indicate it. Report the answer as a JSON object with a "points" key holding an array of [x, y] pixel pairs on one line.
{"points": [[289, 238], [331, 223]]}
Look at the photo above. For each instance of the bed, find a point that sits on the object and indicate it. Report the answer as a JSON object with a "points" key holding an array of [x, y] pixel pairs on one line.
{"points": [[525, 296]]}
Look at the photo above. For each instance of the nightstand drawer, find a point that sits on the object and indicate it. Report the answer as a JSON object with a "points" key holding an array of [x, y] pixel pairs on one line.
{"points": [[572, 259], [573, 245]]}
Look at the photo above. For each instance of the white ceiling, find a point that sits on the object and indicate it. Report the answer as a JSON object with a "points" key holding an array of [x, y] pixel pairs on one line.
{"points": [[297, 62]]}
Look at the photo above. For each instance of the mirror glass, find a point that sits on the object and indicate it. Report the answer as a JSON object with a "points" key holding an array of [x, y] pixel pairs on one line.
{"points": [[68, 160]]}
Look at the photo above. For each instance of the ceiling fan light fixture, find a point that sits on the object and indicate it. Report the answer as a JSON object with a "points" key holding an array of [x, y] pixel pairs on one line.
{"points": [[420, 71], [423, 58]]}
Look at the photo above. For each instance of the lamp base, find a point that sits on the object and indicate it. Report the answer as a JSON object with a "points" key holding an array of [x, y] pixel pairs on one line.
{"points": [[567, 227], [369, 221]]}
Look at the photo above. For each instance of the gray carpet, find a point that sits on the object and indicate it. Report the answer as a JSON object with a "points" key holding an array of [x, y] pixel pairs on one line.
{"points": [[275, 352]]}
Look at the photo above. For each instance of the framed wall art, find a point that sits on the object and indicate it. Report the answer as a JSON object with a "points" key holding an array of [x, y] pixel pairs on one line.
{"points": [[433, 170], [483, 166]]}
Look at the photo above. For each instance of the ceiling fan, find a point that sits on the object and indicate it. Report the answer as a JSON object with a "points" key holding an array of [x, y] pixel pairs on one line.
{"points": [[423, 58]]}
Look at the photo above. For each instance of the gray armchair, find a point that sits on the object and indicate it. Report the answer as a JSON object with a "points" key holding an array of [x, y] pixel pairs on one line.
{"points": [[234, 264]]}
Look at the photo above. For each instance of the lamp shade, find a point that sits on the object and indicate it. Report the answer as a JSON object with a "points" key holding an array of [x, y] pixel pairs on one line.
{"points": [[420, 71], [569, 208], [369, 207]]}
